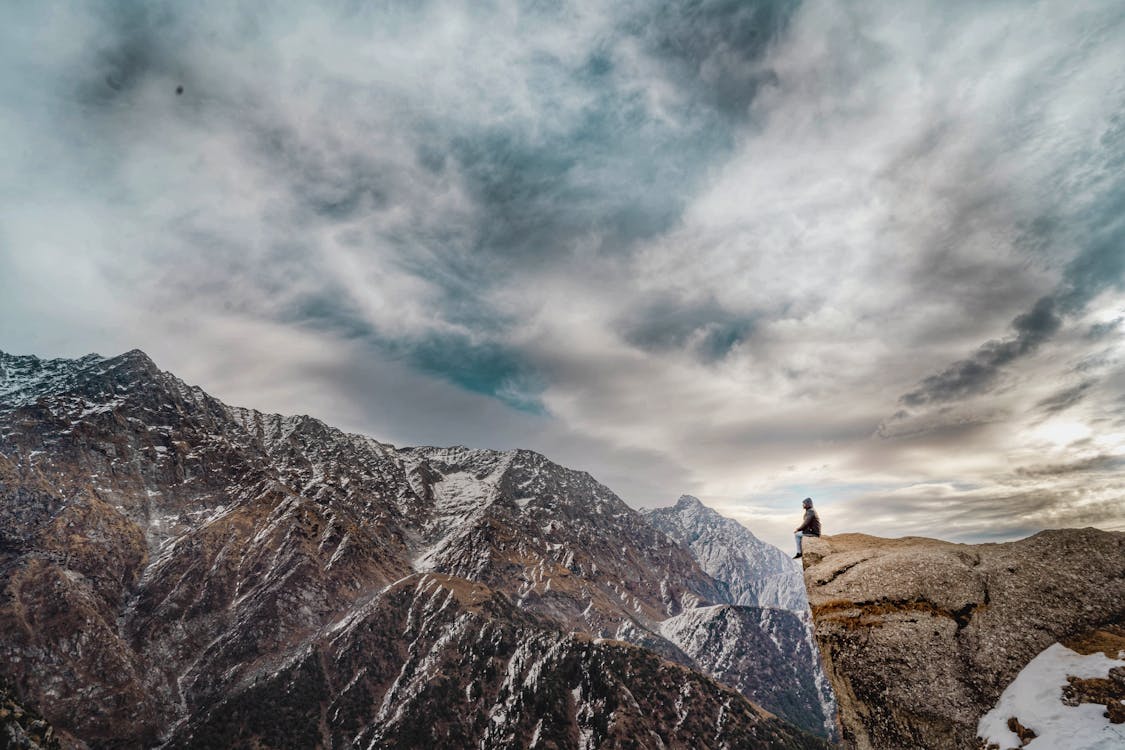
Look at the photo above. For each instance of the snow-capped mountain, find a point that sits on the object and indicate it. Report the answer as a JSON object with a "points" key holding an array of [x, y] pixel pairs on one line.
{"points": [[757, 573], [182, 573], [754, 573]]}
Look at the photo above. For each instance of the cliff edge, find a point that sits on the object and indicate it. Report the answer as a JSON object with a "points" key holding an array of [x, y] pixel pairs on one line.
{"points": [[921, 637]]}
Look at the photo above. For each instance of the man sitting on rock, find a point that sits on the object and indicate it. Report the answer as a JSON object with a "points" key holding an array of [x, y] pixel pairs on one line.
{"points": [[809, 527]]}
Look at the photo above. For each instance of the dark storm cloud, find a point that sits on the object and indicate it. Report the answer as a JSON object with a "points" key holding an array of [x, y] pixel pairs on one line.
{"points": [[594, 164], [1101, 464], [981, 371], [670, 323], [614, 172], [714, 46], [1066, 398], [494, 370], [136, 42], [1096, 227], [1102, 330]]}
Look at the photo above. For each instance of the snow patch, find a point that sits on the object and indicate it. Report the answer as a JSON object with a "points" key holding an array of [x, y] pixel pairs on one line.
{"points": [[1034, 698]]}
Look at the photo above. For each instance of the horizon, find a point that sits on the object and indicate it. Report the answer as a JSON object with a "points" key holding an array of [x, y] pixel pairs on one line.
{"points": [[750, 253]]}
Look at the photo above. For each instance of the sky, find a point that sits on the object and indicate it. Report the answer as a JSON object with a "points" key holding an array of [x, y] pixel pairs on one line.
{"points": [[870, 252]]}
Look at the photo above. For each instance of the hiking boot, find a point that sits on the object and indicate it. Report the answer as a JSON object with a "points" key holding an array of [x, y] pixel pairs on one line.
{"points": [[796, 555]]}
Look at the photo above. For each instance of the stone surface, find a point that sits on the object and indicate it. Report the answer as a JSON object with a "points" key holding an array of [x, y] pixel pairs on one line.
{"points": [[21, 728], [921, 636]]}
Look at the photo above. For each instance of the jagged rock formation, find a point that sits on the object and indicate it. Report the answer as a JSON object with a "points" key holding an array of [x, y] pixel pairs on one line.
{"points": [[446, 663], [179, 572], [920, 636], [758, 574]]}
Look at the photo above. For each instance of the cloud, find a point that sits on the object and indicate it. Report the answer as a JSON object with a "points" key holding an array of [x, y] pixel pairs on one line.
{"points": [[1101, 463], [981, 371], [694, 247], [1066, 398], [703, 325], [383, 172]]}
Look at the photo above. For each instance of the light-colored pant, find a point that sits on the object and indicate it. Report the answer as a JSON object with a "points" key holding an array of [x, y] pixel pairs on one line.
{"points": [[799, 536]]}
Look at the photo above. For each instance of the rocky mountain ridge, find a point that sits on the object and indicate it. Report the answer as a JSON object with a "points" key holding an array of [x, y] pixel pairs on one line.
{"points": [[178, 572]]}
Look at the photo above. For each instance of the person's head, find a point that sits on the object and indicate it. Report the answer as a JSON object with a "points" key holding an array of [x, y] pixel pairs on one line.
{"points": [[806, 503]]}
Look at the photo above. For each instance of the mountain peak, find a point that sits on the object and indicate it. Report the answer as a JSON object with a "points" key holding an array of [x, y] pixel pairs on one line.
{"points": [[238, 513], [758, 573], [688, 501], [134, 357]]}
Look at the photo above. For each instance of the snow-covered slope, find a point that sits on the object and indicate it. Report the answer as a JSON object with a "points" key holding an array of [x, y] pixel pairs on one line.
{"points": [[757, 573], [1045, 703], [764, 652]]}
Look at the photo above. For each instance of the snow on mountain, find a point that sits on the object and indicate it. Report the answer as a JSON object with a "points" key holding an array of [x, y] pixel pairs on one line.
{"points": [[178, 571], [25, 378], [764, 652], [757, 573]]}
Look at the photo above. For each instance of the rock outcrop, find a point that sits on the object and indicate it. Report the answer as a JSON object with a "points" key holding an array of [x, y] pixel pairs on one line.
{"points": [[920, 637], [23, 729]]}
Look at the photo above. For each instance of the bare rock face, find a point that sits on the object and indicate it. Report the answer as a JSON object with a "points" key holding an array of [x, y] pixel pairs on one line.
{"points": [[23, 729], [436, 661], [920, 636], [765, 648], [176, 572]]}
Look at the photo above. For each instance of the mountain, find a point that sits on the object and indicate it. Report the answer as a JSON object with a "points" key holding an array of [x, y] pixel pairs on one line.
{"points": [[757, 573], [762, 652], [929, 644], [181, 573], [769, 583], [21, 728]]}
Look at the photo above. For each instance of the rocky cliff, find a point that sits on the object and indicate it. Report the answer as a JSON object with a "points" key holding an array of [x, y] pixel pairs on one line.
{"points": [[921, 637], [177, 572]]}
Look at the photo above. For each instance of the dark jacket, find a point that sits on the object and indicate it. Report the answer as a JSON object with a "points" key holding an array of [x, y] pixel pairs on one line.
{"points": [[811, 525]]}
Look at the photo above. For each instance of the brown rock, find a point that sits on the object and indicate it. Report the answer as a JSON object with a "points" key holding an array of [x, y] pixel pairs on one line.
{"points": [[921, 636]]}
